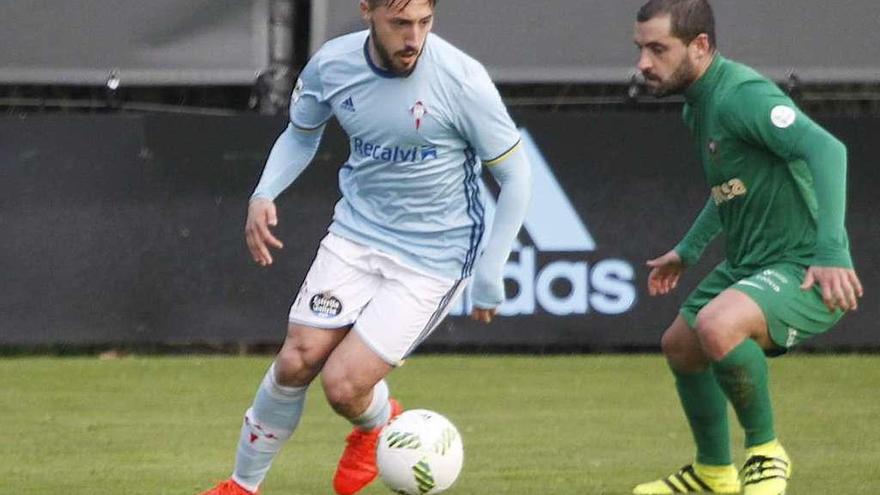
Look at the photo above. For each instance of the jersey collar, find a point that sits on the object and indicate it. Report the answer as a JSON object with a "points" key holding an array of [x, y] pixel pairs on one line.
{"points": [[704, 86]]}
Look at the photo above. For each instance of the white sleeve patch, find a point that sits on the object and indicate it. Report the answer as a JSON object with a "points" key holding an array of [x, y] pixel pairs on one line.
{"points": [[783, 116]]}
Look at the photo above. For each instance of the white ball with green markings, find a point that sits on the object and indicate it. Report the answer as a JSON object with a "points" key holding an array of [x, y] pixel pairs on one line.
{"points": [[419, 453]]}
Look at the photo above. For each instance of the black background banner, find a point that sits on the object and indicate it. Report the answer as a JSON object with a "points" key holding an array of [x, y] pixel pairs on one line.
{"points": [[129, 229]]}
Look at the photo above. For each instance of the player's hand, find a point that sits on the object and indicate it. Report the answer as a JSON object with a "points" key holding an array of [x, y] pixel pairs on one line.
{"points": [[484, 315], [841, 287], [665, 272], [261, 216]]}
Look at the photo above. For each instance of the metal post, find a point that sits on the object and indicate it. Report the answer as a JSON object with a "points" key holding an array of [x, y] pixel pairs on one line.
{"points": [[276, 82]]}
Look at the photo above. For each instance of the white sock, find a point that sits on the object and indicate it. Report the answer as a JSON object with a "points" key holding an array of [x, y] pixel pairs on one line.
{"points": [[267, 425], [378, 412]]}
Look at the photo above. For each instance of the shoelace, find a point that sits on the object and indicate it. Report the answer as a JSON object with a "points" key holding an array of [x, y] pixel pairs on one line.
{"points": [[761, 468], [695, 483], [362, 443]]}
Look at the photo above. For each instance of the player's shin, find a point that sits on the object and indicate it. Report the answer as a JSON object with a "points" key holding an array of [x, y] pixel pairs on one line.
{"points": [[705, 406], [743, 376], [267, 425]]}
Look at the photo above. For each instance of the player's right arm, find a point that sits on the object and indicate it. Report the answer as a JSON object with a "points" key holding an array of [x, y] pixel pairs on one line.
{"points": [[291, 154], [666, 270]]}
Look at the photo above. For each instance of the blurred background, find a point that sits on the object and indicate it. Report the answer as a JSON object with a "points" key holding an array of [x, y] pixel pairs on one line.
{"points": [[132, 134]]}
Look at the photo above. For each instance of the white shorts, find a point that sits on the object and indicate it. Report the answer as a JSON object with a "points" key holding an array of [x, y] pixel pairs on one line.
{"points": [[393, 307]]}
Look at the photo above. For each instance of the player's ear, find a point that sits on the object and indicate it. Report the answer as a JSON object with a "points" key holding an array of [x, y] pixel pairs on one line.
{"points": [[701, 45], [366, 13]]}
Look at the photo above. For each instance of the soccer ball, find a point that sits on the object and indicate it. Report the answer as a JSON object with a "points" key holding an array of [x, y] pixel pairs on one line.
{"points": [[419, 453]]}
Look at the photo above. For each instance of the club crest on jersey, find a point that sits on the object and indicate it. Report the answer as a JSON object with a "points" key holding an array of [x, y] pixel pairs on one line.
{"points": [[419, 110], [325, 306], [713, 146]]}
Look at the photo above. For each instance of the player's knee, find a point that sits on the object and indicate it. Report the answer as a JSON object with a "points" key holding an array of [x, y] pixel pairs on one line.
{"points": [[683, 352], [670, 344], [715, 335], [673, 346], [297, 365], [341, 392]]}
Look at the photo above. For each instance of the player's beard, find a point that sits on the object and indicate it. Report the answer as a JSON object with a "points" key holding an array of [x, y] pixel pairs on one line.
{"points": [[683, 76], [386, 58]]}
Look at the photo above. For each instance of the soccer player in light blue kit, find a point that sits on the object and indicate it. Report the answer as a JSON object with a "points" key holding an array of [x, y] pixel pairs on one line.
{"points": [[406, 238]]}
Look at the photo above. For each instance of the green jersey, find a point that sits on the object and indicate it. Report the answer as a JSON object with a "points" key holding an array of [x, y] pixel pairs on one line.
{"points": [[777, 179]]}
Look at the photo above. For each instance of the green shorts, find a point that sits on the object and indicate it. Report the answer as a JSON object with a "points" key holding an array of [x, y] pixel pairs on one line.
{"points": [[793, 315]]}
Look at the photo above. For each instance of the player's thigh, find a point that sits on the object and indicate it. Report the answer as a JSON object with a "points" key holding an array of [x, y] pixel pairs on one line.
{"points": [[304, 352], [351, 371], [792, 315], [728, 320], [404, 311], [339, 284], [712, 285]]}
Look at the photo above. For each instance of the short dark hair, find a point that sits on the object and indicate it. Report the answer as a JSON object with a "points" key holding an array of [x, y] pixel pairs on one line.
{"points": [[690, 18], [395, 4]]}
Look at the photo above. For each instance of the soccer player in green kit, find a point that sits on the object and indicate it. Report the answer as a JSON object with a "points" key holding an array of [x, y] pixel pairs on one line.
{"points": [[778, 193]]}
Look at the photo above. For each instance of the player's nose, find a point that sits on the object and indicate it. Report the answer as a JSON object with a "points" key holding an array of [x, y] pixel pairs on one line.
{"points": [[644, 64]]}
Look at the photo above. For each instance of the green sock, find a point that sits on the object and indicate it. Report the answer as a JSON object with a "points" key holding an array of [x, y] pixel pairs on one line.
{"points": [[705, 406], [743, 376]]}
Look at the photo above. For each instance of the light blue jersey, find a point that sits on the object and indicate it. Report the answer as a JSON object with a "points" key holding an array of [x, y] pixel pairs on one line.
{"points": [[411, 184]]}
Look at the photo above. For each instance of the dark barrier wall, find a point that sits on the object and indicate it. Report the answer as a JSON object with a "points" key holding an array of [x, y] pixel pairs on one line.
{"points": [[129, 230]]}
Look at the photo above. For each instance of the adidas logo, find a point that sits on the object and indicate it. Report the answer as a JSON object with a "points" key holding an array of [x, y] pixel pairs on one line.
{"points": [[348, 104], [558, 238]]}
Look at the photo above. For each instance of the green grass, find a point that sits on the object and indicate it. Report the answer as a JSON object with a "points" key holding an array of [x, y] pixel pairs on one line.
{"points": [[531, 425]]}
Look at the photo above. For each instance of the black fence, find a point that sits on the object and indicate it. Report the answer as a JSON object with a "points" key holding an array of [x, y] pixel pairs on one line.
{"points": [[128, 230]]}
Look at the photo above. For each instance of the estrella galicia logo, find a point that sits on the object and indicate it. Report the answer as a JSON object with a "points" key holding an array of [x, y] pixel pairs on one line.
{"points": [[325, 306], [551, 275], [394, 154]]}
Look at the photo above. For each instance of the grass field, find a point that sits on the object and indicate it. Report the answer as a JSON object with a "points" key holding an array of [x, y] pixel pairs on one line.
{"points": [[531, 425]]}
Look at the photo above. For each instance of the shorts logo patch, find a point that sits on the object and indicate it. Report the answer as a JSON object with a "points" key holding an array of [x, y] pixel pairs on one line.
{"points": [[325, 306], [782, 116], [792, 337]]}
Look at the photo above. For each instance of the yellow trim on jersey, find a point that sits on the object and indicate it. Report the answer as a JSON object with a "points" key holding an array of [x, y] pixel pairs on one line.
{"points": [[503, 156]]}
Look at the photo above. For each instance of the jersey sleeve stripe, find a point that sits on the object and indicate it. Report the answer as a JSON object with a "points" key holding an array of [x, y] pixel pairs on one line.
{"points": [[307, 129], [500, 158]]}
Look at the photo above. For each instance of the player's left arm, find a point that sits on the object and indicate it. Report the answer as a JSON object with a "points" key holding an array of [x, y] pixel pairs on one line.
{"points": [[764, 115], [484, 122], [514, 176]]}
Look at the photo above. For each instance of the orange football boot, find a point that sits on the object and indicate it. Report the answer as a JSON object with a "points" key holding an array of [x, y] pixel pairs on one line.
{"points": [[357, 466], [229, 487]]}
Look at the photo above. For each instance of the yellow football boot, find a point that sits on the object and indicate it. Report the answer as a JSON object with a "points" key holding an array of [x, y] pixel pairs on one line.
{"points": [[694, 478], [767, 470]]}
